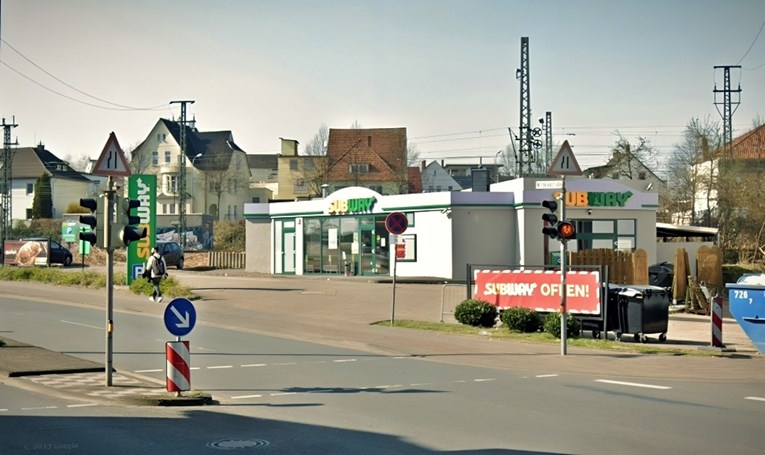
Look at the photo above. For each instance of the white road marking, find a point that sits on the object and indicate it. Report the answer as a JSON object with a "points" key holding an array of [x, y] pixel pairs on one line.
{"points": [[200, 348], [218, 367], [193, 368], [634, 384], [253, 365], [286, 363], [483, 380], [85, 405], [3, 410], [39, 407], [755, 398], [158, 370], [240, 397], [83, 325], [545, 375], [344, 360], [279, 394]]}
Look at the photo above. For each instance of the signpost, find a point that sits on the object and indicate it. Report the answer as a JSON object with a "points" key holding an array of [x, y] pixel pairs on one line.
{"points": [[396, 223], [180, 317], [562, 165]]}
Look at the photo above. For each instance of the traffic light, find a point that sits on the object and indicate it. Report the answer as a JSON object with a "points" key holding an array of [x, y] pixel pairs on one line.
{"points": [[96, 208], [551, 218], [557, 229], [127, 223]]}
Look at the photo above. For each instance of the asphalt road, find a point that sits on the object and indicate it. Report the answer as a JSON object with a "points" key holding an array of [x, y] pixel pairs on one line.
{"points": [[327, 382]]}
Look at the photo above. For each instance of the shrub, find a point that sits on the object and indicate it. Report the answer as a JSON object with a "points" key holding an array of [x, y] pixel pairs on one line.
{"points": [[521, 319], [476, 313], [552, 325]]}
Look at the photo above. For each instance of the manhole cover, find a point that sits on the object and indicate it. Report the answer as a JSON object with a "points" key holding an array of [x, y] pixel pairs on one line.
{"points": [[236, 444]]}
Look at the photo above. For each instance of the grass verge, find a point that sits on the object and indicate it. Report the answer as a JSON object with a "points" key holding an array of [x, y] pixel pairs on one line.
{"points": [[545, 338]]}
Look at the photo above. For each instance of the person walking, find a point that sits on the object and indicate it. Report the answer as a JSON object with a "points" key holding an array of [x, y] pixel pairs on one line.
{"points": [[158, 270]]}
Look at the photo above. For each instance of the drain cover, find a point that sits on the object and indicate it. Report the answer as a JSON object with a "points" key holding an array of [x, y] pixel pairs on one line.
{"points": [[236, 444]]}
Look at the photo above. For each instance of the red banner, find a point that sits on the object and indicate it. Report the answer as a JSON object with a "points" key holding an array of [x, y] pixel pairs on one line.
{"points": [[538, 290]]}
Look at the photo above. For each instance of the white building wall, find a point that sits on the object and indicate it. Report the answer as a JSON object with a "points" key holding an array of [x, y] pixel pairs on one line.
{"points": [[434, 247], [67, 192], [20, 200]]}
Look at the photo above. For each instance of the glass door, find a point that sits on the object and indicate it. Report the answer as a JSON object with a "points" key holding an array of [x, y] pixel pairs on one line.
{"points": [[368, 244]]}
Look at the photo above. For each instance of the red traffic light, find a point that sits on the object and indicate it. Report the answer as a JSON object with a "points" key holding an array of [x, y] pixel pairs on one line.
{"points": [[566, 230]]}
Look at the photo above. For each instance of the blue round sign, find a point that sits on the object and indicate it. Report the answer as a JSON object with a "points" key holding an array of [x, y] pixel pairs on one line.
{"points": [[180, 316]]}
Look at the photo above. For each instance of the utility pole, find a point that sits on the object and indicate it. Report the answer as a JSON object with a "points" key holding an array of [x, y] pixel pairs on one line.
{"points": [[6, 198], [727, 103], [548, 141], [522, 74], [182, 176]]}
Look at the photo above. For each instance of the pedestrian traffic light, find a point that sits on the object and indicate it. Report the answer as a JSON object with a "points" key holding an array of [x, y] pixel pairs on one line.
{"points": [[566, 230], [96, 208], [128, 229], [551, 229]]}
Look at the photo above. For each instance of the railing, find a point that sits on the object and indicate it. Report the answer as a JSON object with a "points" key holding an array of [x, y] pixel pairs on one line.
{"points": [[451, 296], [226, 260]]}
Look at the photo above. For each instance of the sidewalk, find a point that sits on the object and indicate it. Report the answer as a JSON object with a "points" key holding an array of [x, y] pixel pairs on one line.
{"points": [[340, 311]]}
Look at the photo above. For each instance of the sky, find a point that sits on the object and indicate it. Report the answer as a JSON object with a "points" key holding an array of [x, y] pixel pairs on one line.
{"points": [[73, 71]]}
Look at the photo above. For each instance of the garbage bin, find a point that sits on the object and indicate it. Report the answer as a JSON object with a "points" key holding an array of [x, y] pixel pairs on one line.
{"points": [[661, 274], [747, 304], [644, 310], [611, 322]]}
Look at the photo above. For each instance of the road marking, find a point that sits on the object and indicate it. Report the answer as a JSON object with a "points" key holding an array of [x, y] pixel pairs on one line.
{"points": [[634, 384], [218, 367], [3, 410], [200, 348], [253, 365], [286, 363], [343, 360], [83, 325], [546, 376], [84, 405], [241, 397], [192, 368], [39, 407], [279, 394], [755, 398], [158, 370], [483, 380]]}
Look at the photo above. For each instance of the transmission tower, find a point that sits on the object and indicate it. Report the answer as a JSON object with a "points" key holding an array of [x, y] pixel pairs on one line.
{"points": [[727, 103], [548, 142], [6, 198], [529, 143], [182, 177]]}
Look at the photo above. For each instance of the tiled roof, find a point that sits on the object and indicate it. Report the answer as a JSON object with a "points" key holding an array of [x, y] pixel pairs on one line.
{"points": [[750, 145], [215, 147], [32, 162], [382, 149]]}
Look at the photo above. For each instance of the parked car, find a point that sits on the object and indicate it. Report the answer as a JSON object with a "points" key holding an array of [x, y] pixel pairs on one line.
{"points": [[172, 253]]}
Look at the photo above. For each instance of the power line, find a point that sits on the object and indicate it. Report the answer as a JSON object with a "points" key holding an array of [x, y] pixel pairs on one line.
{"points": [[751, 45], [119, 106]]}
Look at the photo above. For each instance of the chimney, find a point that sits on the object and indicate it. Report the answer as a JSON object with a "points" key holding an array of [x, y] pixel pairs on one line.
{"points": [[289, 147], [422, 166]]}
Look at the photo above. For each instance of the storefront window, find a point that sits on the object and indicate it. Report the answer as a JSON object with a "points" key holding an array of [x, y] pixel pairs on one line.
{"points": [[312, 245]]}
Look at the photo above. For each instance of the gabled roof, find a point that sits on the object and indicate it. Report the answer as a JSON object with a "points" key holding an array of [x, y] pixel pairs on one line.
{"points": [[32, 162], [613, 163], [216, 147], [255, 161], [750, 145], [383, 149]]}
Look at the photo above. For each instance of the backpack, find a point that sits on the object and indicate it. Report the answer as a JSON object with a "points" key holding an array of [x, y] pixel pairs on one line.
{"points": [[158, 267]]}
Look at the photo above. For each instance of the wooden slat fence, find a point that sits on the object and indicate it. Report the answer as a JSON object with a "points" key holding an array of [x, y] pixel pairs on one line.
{"points": [[623, 267], [226, 260]]}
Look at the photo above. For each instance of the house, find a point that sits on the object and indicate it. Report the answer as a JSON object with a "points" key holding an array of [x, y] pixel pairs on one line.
{"points": [[297, 173], [217, 170], [264, 169], [435, 178], [67, 186], [632, 169], [372, 158]]}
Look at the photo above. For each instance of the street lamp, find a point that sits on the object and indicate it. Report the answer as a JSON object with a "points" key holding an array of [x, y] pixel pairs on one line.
{"points": [[192, 179]]}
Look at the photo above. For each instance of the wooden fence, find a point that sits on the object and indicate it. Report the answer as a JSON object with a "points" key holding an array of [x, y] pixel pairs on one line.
{"points": [[226, 260], [623, 267]]}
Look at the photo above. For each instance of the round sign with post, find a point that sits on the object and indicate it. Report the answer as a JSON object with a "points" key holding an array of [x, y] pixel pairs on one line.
{"points": [[396, 223]]}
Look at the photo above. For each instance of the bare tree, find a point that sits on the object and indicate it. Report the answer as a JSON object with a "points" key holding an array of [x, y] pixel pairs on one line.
{"points": [[625, 156], [225, 176], [316, 165], [317, 146], [80, 164]]}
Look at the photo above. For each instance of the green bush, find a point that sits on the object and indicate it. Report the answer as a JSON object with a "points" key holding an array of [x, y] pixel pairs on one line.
{"points": [[552, 325], [170, 287], [521, 319], [476, 313]]}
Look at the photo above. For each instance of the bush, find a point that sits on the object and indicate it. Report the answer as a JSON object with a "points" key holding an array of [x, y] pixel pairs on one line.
{"points": [[521, 319], [476, 313], [229, 236], [552, 325]]}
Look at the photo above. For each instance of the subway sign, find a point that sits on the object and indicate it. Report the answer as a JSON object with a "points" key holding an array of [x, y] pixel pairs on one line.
{"points": [[595, 198], [347, 206]]}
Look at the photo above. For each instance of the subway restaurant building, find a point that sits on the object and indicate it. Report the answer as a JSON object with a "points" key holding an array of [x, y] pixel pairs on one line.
{"points": [[345, 232]]}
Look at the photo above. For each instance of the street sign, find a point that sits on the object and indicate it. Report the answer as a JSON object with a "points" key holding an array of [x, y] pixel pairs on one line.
{"points": [[564, 162], [549, 184], [69, 231], [180, 317], [400, 250], [112, 161], [396, 223]]}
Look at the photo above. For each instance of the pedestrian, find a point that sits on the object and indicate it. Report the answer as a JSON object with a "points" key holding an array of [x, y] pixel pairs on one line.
{"points": [[158, 270]]}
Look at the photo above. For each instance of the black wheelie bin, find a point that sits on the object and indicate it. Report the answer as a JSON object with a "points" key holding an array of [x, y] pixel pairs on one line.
{"points": [[644, 310]]}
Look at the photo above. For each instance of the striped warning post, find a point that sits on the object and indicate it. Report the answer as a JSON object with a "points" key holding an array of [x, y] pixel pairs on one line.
{"points": [[717, 321], [178, 366]]}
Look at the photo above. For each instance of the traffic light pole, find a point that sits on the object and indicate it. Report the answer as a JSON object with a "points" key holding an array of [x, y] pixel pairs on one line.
{"points": [[563, 267], [109, 218]]}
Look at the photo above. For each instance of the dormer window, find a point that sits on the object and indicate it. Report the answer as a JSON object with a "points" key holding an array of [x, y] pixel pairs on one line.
{"points": [[358, 168]]}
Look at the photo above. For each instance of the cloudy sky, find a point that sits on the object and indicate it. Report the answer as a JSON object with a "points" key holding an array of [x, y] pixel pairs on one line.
{"points": [[73, 71]]}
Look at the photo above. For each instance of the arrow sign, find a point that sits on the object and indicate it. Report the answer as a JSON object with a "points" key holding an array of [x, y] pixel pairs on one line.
{"points": [[180, 317]]}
